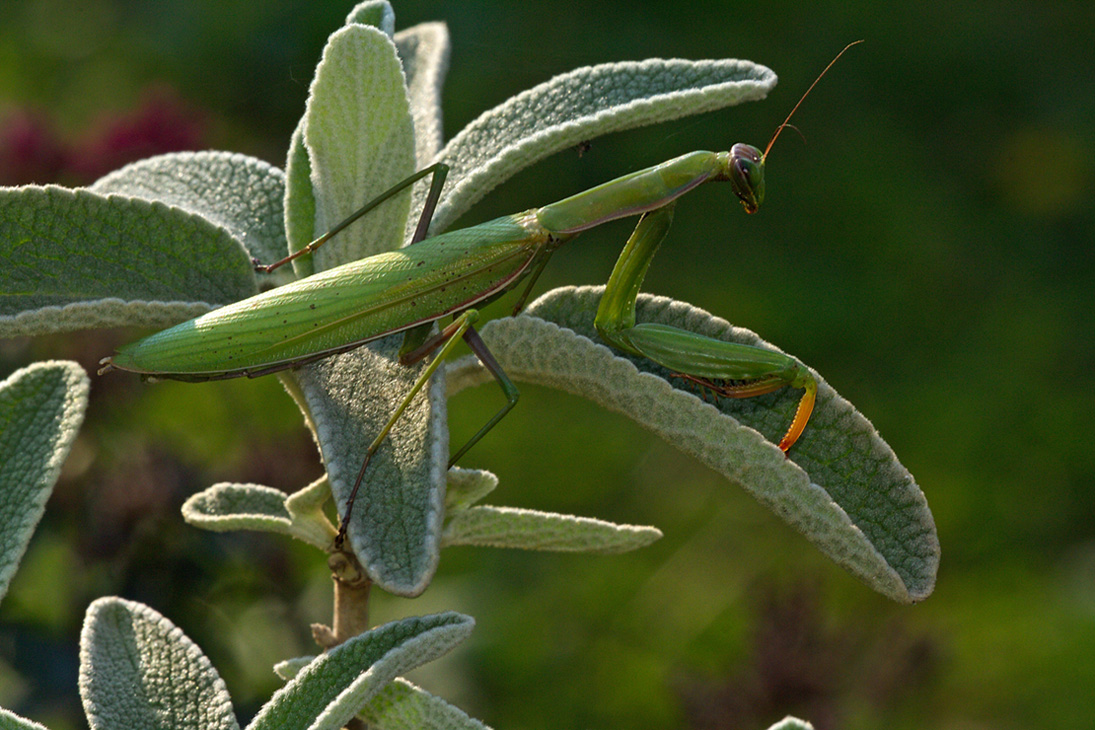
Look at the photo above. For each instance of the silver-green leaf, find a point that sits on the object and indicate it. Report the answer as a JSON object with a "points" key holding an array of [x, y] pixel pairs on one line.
{"points": [[41, 409], [224, 507], [525, 529], [359, 135], [405, 706], [583, 104], [791, 723], [10, 721], [399, 706], [359, 139], [467, 486], [138, 670], [377, 13], [300, 201], [331, 689], [73, 260], [424, 51], [241, 194], [842, 486], [395, 530]]}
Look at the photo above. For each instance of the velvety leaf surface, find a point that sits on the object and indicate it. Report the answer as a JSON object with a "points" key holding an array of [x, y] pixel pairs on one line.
{"points": [[74, 260], [424, 51], [336, 685], [581, 105], [510, 527], [404, 706], [358, 144], [395, 529], [10, 721], [41, 409], [792, 723], [225, 507], [467, 486], [241, 194], [300, 201], [138, 670], [360, 140], [842, 486], [377, 13]]}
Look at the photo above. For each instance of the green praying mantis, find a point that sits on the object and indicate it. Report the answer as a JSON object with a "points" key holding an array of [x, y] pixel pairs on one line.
{"points": [[455, 273]]}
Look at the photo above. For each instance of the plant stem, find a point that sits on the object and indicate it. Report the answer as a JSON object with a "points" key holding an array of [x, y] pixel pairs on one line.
{"points": [[351, 610]]}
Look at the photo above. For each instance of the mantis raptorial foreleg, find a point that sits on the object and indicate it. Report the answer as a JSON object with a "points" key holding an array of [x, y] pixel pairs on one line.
{"points": [[725, 368]]}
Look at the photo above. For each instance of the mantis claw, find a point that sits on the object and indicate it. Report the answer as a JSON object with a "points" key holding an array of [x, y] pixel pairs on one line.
{"points": [[760, 386]]}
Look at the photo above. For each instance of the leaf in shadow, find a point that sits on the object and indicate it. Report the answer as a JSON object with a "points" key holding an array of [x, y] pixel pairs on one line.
{"points": [[842, 486]]}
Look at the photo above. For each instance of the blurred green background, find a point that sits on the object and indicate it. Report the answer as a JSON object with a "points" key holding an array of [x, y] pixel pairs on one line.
{"points": [[927, 250]]}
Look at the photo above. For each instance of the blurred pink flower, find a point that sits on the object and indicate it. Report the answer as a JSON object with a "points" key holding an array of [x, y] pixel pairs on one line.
{"points": [[31, 151], [162, 123]]}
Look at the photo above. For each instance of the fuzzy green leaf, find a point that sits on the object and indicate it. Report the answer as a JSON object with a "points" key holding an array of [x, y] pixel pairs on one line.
{"points": [[467, 486], [399, 706], [300, 201], [792, 723], [424, 51], [10, 721], [395, 530], [290, 668], [581, 105], [377, 13], [842, 486], [241, 194], [509, 527], [309, 499], [224, 507], [335, 686], [74, 260], [138, 670], [360, 140], [404, 706], [41, 409]]}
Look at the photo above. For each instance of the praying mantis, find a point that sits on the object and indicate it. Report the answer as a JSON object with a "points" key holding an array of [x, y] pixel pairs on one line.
{"points": [[409, 290]]}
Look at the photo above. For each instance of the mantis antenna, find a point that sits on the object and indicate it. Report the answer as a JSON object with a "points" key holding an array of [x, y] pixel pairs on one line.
{"points": [[785, 121]]}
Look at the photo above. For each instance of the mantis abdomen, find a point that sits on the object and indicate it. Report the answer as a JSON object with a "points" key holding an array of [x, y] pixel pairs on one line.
{"points": [[343, 307]]}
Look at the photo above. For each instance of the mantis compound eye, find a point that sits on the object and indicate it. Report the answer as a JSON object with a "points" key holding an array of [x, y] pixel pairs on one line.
{"points": [[746, 172]]}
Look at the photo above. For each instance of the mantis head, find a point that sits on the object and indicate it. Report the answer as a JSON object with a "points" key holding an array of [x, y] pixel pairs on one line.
{"points": [[746, 168], [747, 175]]}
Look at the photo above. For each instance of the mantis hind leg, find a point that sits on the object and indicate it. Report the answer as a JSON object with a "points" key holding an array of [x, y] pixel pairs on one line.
{"points": [[443, 342], [481, 351], [727, 369]]}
